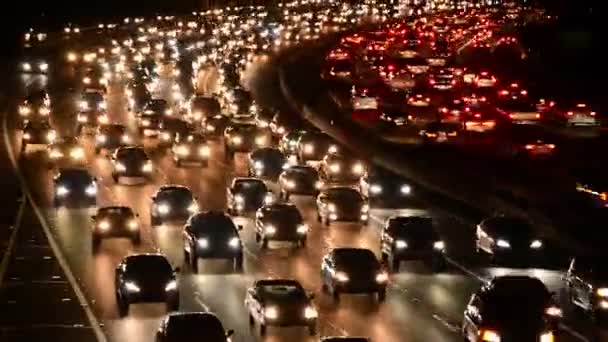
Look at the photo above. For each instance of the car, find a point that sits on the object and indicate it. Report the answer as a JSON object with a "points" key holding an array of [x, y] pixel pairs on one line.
{"points": [[212, 234], [513, 90], [280, 302], [281, 124], [337, 70], [170, 128], [92, 101], [484, 79], [454, 111], [146, 278], [312, 147], [186, 326], [342, 204], [439, 132], [35, 67], [191, 148], [245, 137], [288, 143], [504, 237], [416, 65], [35, 107], [159, 107], [511, 308], [383, 187], [201, 107], [363, 97], [344, 339], [89, 120], [442, 79], [37, 133], [586, 281], [475, 101], [132, 162], [526, 142], [573, 116], [479, 123], [411, 238], [299, 180], [247, 194], [214, 126], [342, 168], [418, 100], [267, 163], [74, 186], [65, 151], [172, 203], [115, 221], [280, 222], [353, 270], [111, 136], [149, 124], [519, 110]]}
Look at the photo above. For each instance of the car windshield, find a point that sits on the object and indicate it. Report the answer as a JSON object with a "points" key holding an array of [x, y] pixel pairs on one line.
{"points": [[517, 299], [286, 214], [194, 139], [300, 171], [268, 154], [190, 327], [518, 105], [93, 97], [245, 128], [113, 130], [114, 211], [250, 186], [345, 194], [148, 264], [414, 226], [510, 226], [135, 153], [182, 195], [287, 291], [361, 258], [75, 176]]}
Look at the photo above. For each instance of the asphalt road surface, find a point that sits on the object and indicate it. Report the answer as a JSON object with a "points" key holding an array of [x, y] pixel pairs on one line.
{"points": [[420, 306]]}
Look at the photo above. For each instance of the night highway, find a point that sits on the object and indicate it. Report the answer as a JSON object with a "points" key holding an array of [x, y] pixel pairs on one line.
{"points": [[83, 105]]}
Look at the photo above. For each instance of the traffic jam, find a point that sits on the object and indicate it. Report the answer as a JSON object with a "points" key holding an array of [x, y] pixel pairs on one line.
{"points": [[421, 79], [169, 150]]}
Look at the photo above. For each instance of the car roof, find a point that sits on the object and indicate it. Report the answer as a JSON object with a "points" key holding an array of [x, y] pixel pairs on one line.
{"points": [[247, 179], [172, 187], [515, 284], [77, 171], [509, 225], [336, 190], [276, 281]]}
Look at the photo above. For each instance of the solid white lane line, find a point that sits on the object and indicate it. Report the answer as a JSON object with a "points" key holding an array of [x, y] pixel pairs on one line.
{"points": [[61, 259], [11, 242]]}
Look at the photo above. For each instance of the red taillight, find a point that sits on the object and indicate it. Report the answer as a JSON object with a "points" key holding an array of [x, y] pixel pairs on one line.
{"points": [[444, 110], [570, 113], [432, 81], [477, 115], [538, 115], [551, 146], [467, 109], [529, 147], [524, 92], [511, 116], [581, 105], [483, 99], [504, 92], [592, 113], [514, 85]]}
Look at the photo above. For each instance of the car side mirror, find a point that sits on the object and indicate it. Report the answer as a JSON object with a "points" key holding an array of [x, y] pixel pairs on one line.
{"points": [[240, 227], [229, 332]]}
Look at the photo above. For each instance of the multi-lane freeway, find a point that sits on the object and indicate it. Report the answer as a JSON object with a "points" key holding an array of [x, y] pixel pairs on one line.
{"points": [[420, 306]]}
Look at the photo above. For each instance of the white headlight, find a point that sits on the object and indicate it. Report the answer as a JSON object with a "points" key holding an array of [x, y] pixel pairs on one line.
{"points": [[132, 225], [237, 140], [26, 66], [147, 167], [51, 136], [503, 243], [131, 287], [270, 229], [43, 66], [125, 138], [310, 313], [302, 229], [261, 140], [120, 167], [203, 243], [400, 244], [341, 277], [382, 277], [375, 189], [536, 244], [358, 168], [193, 207], [234, 242], [101, 138], [27, 136], [335, 168], [602, 292], [171, 285], [204, 151], [104, 225], [269, 198], [271, 313], [163, 208], [439, 245], [309, 148], [365, 208], [62, 190], [91, 190], [406, 189], [258, 165]]}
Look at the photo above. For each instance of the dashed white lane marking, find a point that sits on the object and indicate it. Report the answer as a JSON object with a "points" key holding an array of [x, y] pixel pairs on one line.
{"points": [[198, 298], [11, 242], [94, 322], [453, 328]]}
